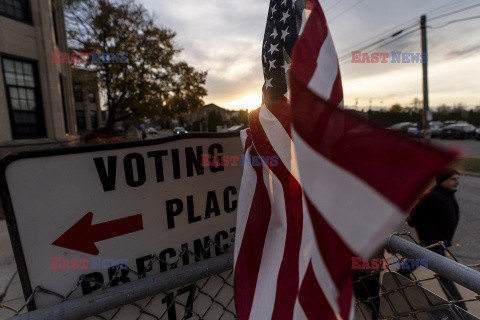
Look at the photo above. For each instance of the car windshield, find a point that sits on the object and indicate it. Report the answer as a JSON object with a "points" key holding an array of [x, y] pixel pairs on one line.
{"points": [[401, 125]]}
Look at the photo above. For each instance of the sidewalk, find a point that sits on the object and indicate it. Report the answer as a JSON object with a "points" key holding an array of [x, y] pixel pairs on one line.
{"points": [[11, 293]]}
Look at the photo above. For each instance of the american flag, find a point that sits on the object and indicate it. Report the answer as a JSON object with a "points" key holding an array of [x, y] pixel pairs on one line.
{"points": [[340, 186]]}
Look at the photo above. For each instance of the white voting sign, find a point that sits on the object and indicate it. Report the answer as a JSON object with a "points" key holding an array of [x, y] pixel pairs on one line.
{"points": [[70, 210]]}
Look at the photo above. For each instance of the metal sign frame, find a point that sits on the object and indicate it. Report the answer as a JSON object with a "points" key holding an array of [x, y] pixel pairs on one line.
{"points": [[6, 201]]}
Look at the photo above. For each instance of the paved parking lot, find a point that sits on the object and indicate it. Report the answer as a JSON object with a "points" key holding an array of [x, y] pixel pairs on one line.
{"points": [[470, 148]]}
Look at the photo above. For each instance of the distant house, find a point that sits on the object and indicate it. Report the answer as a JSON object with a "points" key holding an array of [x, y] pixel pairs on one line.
{"points": [[87, 100], [36, 95], [201, 116]]}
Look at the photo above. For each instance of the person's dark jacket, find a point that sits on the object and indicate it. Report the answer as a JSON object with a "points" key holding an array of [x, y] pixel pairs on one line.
{"points": [[435, 216]]}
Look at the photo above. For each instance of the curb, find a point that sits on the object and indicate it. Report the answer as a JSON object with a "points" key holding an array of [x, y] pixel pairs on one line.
{"points": [[470, 174]]}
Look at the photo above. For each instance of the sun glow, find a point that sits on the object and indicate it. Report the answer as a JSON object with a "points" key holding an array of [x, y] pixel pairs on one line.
{"points": [[250, 102]]}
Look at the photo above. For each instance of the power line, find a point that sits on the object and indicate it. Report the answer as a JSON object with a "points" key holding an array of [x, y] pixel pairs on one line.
{"points": [[393, 35], [455, 21], [454, 12], [400, 27], [348, 9], [457, 5], [452, 5], [383, 45], [393, 40], [410, 32], [398, 31]]}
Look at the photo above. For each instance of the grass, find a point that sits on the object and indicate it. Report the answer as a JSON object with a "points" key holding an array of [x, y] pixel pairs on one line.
{"points": [[472, 165], [468, 164]]}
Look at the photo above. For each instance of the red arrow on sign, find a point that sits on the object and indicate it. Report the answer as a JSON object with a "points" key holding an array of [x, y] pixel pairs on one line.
{"points": [[83, 235]]}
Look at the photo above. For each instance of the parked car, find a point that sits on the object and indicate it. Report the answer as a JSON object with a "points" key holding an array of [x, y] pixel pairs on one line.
{"points": [[435, 127], [410, 128], [458, 131], [477, 134], [402, 126], [450, 122], [236, 128], [179, 130], [151, 130]]}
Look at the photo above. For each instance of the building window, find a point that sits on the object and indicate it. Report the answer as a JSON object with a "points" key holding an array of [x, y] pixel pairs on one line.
{"points": [[15, 9], [78, 92], [91, 98], [93, 119], [26, 114], [81, 119]]}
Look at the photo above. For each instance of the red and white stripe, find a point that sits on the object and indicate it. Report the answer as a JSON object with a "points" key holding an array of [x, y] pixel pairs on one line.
{"points": [[340, 186]]}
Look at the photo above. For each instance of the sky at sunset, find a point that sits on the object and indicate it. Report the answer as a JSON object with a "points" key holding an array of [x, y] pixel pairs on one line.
{"points": [[224, 37]]}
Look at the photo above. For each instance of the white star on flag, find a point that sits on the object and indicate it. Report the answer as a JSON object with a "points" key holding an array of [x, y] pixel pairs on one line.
{"points": [[274, 9], [274, 33], [272, 64], [285, 17], [273, 48], [268, 83], [286, 66], [285, 33]]}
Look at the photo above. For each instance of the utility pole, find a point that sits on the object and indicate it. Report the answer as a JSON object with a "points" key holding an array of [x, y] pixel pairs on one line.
{"points": [[426, 112]]}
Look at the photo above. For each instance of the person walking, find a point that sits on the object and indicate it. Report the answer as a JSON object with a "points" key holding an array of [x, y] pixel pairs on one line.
{"points": [[435, 218]]}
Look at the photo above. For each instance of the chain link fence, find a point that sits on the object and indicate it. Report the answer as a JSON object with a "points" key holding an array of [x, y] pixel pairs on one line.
{"points": [[206, 298], [389, 291], [405, 288]]}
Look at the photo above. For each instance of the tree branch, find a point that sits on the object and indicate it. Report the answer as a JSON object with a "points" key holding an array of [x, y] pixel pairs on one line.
{"points": [[126, 116]]}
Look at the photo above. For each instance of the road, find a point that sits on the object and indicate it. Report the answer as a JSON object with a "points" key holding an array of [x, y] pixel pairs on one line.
{"points": [[466, 242], [469, 148]]}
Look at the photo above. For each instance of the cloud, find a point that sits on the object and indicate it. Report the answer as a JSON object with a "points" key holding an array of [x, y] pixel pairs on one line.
{"points": [[224, 38], [467, 51]]}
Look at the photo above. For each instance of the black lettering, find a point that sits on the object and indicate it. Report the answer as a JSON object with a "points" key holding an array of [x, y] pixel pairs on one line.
{"points": [[219, 249], [171, 212], [94, 282], [211, 150], [226, 199], [115, 278], [176, 164], [212, 205], [170, 301], [194, 161], [202, 251], [141, 268], [128, 166], [107, 179], [191, 288], [164, 265], [191, 211], [158, 163]]}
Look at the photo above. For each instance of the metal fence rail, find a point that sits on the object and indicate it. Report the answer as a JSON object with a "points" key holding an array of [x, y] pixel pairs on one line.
{"points": [[389, 293], [204, 290]]}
